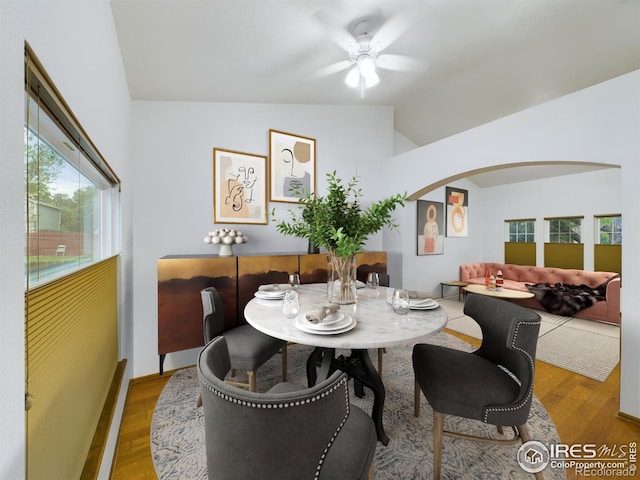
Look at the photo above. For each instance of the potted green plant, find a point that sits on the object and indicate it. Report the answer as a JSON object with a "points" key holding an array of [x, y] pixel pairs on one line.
{"points": [[338, 223]]}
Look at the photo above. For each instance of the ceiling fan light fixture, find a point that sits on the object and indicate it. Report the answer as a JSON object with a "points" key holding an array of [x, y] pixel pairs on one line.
{"points": [[371, 80], [366, 65], [363, 73], [353, 77]]}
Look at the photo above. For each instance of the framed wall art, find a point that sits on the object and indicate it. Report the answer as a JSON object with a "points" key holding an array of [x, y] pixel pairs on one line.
{"points": [[292, 166], [430, 224], [239, 187], [457, 212]]}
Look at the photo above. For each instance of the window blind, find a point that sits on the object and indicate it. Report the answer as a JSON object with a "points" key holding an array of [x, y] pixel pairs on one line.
{"points": [[72, 354]]}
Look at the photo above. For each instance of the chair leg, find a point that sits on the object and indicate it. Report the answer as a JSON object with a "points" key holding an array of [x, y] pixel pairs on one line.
{"points": [[283, 352], [252, 380], [233, 372], [525, 436], [371, 472], [438, 426], [416, 399], [380, 353]]}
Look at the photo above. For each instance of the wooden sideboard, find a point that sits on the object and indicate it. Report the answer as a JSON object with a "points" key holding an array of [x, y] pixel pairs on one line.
{"points": [[182, 277]]}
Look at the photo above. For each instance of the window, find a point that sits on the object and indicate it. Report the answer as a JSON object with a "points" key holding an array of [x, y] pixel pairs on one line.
{"points": [[608, 230], [521, 231], [72, 196], [564, 230]]}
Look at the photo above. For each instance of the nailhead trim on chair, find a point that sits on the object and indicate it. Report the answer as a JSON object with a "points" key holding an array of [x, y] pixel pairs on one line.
{"points": [[335, 434], [342, 383], [530, 391]]}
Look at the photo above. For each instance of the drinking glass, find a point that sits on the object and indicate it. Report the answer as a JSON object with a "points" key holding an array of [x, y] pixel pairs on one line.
{"points": [[294, 281], [291, 304], [400, 301], [373, 280]]}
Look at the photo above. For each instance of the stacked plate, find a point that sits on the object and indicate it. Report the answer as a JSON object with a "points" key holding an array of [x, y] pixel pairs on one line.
{"points": [[270, 294], [420, 303], [423, 304], [333, 324]]}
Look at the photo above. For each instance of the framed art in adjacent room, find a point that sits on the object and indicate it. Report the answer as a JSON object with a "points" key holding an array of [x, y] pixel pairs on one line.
{"points": [[239, 187], [292, 166], [430, 224], [457, 212]]}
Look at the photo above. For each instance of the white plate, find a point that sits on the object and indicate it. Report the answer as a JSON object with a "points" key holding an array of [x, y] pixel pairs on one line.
{"points": [[360, 284], [334, 325], [305, 327], [424, 307], [419, 303], [422, 303], [269, 295]]}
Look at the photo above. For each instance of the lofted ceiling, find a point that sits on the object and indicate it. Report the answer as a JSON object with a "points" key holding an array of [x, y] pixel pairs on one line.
{"points": [[457, 63]]}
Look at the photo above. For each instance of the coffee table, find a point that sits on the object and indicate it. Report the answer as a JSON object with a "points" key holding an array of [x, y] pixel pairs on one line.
{"points": [[504, 293]]}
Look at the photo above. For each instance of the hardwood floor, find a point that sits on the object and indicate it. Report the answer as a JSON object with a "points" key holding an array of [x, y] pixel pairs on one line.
{"points": [[583, 410]]}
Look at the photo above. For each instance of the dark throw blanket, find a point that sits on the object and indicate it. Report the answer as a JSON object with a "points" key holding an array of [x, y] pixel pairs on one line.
{"points": [[565, 299]]}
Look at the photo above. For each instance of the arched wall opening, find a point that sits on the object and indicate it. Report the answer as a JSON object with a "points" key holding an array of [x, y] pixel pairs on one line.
{"points": [[580, 167]]}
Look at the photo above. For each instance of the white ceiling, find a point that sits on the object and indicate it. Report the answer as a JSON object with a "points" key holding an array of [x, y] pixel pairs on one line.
{"points": [[464, 62]]}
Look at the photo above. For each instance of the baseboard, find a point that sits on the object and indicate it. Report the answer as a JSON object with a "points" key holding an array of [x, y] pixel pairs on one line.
{"points": [[628, 418], [94, 457], [153, 376]]}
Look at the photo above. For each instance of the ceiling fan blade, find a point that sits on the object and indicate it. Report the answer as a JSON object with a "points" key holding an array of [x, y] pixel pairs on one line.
{"points": [[399, 63], [333, 68], [335, 29], [392, 29]]}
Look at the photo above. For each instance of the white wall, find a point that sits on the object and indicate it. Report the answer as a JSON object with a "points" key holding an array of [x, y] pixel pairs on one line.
{"points": [[173, 151], [76, 43], [599, 124], [587, 194]]}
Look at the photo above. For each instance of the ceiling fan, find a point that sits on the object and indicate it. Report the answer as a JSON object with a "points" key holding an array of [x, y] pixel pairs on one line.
{"points": [[365, 40]]}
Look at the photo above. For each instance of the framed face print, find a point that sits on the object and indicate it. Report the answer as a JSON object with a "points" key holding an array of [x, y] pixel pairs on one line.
{"points": [[239, 187], [292, 161]]}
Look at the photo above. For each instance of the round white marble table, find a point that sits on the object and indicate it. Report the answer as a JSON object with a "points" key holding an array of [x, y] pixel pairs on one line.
{"points": [[377, 326]]}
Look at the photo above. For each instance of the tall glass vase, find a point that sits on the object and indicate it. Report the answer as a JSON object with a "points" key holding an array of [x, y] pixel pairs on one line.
{"points": [[341, 283]]}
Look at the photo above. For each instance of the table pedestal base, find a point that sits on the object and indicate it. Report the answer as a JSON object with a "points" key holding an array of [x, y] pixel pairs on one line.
{"points": [[359, 367]]}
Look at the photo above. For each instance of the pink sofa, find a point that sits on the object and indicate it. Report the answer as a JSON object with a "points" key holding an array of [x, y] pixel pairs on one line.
{"points": [[516, 276]]}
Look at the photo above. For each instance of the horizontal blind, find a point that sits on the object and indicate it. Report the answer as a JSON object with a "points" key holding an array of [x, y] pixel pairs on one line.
{"points": [[39, 85], [72, 352]]}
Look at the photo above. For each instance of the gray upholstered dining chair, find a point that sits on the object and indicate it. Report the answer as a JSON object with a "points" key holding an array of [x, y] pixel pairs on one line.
{"points": [[248, 347], [288, 433], [493, 384]]}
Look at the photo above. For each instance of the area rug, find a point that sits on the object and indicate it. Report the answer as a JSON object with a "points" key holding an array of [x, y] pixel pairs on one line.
{"points": [[581, 346], [177, 429]]}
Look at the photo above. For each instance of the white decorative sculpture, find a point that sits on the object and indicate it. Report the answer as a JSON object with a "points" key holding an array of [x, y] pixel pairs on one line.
{"points": [[226, 238]]}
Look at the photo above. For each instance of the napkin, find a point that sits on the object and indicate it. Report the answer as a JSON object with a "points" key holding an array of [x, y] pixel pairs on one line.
{"points": [[416, 294], [316, 316], [274, 287]]}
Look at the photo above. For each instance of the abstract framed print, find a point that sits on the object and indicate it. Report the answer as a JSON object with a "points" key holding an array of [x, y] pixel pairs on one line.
{"points": [[239, 187], [292, 161], [430, 225], [457, 212]]}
